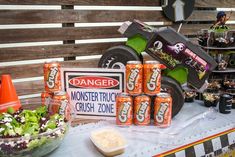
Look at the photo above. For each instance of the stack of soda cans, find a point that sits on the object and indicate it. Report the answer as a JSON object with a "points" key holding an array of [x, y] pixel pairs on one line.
{"points": [[143, 84], [56, 100]]}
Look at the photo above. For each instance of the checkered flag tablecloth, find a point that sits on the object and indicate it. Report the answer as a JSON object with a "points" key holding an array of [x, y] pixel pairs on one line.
{"points": [[208, 148]]}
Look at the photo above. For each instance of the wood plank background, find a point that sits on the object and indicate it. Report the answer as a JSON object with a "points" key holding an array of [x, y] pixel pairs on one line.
{"points": [[199, 3], [67, 33], [73, 16], [10, 38], [84, 2], [83, 16], [53, 51]]}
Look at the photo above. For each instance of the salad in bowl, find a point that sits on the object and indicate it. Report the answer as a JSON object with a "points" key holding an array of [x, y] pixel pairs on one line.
{"points": [[31, 132]]}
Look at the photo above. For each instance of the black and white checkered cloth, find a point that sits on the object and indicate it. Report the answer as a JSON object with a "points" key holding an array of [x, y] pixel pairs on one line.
{"points": [[210, 148]]}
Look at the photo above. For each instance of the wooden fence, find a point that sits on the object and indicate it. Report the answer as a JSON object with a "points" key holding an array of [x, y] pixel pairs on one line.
{"points": [[73, 25]]}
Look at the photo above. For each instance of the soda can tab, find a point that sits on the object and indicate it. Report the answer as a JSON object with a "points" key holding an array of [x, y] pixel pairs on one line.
{"points": [[124, 109], [152, 77], [60, 105], [162, 110], [52, 76], [134, 77], [46, 98], [142, 105]]}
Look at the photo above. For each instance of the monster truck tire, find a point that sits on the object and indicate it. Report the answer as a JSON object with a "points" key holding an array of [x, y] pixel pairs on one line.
{"points": [[116, 57], [171, 86]]}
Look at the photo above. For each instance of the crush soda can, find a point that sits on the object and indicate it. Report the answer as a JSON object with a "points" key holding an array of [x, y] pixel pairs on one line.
{"points": [[152, 77], [52, 75], [142, 104], [124, 109], [162, 110], [134, 77], [60, 104], [46, 98]]}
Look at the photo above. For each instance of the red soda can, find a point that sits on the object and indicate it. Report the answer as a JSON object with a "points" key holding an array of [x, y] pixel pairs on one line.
{"points": [[142, 106], [46, 98], [152, 77], [134, 77], [124, 109], [52, 78], [162, 110], [60, 104]]}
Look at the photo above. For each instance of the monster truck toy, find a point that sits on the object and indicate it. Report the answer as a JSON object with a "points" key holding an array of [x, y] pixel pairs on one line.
{"points": [[186, 63]]}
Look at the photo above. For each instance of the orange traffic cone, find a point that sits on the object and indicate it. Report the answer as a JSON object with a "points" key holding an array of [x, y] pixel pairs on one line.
{"points": [[0, 86], [8, 96]]}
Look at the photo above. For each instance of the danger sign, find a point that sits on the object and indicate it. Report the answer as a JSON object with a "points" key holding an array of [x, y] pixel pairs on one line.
{"points": [[93, 92]]}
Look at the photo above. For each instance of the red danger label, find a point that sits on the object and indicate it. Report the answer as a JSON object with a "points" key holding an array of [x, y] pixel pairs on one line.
{"points": [[93, 82]]}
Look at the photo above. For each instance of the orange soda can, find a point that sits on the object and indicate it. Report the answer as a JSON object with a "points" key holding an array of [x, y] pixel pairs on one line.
{"points": [[124, 109], [46, 98], [134, 77], [142, 104], [52, 78], [60, 105], [152, 77], [162, 110]]}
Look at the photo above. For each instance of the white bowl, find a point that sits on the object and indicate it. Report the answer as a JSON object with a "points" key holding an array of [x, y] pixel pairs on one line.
{"points": [[108, 141]]}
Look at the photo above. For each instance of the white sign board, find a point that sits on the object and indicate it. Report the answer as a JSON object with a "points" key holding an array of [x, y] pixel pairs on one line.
{"points": [[93, 92]]}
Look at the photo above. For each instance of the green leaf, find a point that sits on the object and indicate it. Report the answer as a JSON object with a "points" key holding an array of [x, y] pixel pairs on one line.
{"points": [[10, 110], [37, 142], [41, 111], [31, 128], [18, 130], [51, 124]]}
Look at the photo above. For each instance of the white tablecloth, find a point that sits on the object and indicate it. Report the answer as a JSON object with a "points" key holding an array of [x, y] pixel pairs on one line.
{"points": [[193, 123]]}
